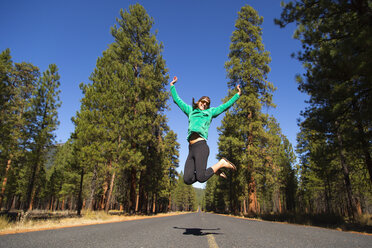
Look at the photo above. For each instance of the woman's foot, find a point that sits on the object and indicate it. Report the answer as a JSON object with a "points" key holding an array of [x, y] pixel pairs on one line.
{"points": [[223, 163], [228, 164], [221, 174]]}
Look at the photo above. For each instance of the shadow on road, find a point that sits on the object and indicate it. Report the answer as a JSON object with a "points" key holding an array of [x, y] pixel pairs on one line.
{"points": [[197, 231]]}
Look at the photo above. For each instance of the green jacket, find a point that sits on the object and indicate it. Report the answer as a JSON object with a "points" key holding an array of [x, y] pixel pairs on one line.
{"points": [[200, 120]]}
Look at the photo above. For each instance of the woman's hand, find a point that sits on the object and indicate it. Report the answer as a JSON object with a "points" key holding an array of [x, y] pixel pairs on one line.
{"points": [[238, 88], [174, 81]]}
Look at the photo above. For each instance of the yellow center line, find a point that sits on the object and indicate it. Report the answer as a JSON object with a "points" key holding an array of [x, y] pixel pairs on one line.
{"points": [[211, 241]]}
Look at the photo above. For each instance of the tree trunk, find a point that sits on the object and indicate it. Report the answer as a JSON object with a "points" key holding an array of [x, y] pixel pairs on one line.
{"points": [[252, 194], [345, 170], [245, 206], [110, 192], [51, 203], [327, 193], [280, 204], [137, 202], [5, 181], [148, 205], [154, 204], [14, 201], [365, 148], [105, 188], [252, 204], [358, 207], [133, 188], [104, 196], [141, 193], [71, 203], [79, 203], [169, 202], [31, 189], [56, 205], [233, 204], [93, 189], [277, 201]]}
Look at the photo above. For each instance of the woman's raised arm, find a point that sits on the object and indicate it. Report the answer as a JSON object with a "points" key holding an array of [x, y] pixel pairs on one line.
{"points": [[223, 107], [181, 104]]}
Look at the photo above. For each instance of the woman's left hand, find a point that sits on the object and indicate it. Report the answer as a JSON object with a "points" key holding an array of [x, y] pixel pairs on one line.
{"points": [[238, 88], [174, 81]]}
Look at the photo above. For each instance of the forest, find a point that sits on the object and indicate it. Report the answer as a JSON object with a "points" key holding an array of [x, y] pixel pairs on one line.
{"points": [[124, 156]]}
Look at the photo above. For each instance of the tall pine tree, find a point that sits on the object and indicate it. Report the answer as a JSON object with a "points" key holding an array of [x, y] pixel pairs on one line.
{"points": [[242, 129], [44, 122], [19, 81], [121, 125], [336, 38]]}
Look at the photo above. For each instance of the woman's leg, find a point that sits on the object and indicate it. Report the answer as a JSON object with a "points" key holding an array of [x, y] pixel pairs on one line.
{"points": [[201, 154], [189, 171]]}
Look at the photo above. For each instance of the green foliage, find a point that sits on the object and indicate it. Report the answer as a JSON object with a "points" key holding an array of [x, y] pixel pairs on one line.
{"points": [[335, 130], [5, 107], [44, 121], [184, 196], [249, 138], [62, 177], [19, 83], [121, 127], [29, 103], [23, 81], [199, 193], [209, 194]]}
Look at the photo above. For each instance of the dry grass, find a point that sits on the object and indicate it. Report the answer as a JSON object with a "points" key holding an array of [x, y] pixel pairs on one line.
{"points": [[4, 222], [88, 218], [365, 219], [96, 215]]}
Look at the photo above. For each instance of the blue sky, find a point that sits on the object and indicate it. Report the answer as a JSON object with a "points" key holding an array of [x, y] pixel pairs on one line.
{"points": [[196, 36]]}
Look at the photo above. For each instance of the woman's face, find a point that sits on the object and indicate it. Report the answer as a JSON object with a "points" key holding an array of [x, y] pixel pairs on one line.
{"points": [[203, 104]]}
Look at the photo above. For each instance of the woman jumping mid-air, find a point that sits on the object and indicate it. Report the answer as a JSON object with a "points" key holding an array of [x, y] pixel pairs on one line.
{"points": [[200, 116]]}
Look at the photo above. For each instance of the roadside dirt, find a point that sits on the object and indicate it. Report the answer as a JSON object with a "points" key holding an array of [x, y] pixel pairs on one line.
{"points": [[74, 222]]}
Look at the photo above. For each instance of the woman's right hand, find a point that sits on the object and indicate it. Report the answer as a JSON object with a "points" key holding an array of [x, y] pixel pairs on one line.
{"points": [[174, 81], [239, 90]]}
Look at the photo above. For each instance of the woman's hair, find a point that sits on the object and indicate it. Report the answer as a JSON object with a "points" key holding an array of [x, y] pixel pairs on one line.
{"points": [[195, 104]]}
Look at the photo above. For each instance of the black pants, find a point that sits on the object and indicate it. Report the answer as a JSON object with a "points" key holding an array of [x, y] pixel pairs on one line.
{"points": [[196, 164]]}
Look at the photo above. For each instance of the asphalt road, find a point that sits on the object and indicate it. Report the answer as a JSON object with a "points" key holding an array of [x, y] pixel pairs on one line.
{"points": [[188, 230]]}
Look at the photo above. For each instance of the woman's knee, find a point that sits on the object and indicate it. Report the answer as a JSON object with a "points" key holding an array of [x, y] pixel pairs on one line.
{"points": [[188, 180], [201, 178]]}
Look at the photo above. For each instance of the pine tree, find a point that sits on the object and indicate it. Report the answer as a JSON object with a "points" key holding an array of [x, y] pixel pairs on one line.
{"points": [[185, 196], [6, 94], [5, 90], [44, 122], [121, 124], [210, 194], [288, 176], [62, 177], [170, 164], [336, 37], [243, 128], [19, 81], [146, 96], [89, 136]]}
